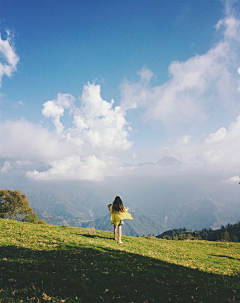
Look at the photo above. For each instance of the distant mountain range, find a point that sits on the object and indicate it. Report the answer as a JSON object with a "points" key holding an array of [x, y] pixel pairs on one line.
{"points": [[195, 214], [139, 226], [166, 161], [165, 199]]}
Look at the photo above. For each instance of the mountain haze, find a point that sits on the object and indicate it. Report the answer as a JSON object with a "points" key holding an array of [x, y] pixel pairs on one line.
{"points": [[155, 190]]}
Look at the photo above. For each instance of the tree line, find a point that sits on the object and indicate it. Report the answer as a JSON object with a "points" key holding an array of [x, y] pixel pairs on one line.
{"points": [[227, 233]]}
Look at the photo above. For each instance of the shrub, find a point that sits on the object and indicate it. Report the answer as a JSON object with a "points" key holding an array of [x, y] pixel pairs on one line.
{"points": [[167, 237]]}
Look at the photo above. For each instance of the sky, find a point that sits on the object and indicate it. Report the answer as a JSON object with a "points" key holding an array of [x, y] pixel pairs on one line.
{"points": [[93, 88]]}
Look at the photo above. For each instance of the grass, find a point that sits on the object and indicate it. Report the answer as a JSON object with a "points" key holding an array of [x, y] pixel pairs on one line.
{"points": [[40, 263]]}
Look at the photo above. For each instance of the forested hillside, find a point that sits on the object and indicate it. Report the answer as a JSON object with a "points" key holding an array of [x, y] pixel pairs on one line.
{"points": [[229, 233]]}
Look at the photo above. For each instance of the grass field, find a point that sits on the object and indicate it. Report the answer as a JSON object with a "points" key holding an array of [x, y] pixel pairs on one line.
{"points": [[40, 263]]}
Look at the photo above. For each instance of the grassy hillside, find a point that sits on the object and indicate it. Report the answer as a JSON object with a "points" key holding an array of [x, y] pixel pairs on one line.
{"points": [[42, 263]]}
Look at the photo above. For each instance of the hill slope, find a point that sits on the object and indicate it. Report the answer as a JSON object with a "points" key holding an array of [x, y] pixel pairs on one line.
{"points": [[42, 263]]}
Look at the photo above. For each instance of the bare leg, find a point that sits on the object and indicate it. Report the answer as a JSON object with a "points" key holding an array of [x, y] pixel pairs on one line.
{"points": [[114, 230], [120, 233]]}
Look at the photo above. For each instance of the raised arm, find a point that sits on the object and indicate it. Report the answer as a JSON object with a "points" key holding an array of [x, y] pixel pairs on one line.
{"points": [[109, 206]]}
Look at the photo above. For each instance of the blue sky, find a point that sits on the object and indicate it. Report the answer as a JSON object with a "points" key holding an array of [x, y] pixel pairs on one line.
{"points": [[171, 68]]}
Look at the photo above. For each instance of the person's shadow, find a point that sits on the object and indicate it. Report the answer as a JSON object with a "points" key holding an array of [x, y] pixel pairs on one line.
{"points": [[92, 236], [222, 256]]}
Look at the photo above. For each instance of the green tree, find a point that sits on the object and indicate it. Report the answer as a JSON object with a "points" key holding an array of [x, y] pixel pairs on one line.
{"points": [[167, 237], [182, 237], [14, 205], [226, 237], [216, 237]]}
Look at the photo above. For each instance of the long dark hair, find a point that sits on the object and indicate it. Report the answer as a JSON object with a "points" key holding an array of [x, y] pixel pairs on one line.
{"points": [[118, 205]]}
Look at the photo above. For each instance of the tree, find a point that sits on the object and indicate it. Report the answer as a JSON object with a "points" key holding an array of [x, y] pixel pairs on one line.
{"points": [[14, 205], [226, 236], [216, 237], [182, 237], [167, 237]]}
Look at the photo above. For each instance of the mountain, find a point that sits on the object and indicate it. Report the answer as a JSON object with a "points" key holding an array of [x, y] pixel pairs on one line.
{"points": [[164, 191], [57, 220], [196, 214], [139, 226], [76, 200], [165, 162], [168, 161]]}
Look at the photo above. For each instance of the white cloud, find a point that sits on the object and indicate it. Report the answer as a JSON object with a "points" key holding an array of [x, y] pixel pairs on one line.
{"points": [[98, 124], [231, 26], [233, 179], [145, 74], [218, 136], [99, 135], [9, 59], [88, 150], [200, 84], [72, 168], [55, 109], [6, 167], [25, 140], [183, 140]]}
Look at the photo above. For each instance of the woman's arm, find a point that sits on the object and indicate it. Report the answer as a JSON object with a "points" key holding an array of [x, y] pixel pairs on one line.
{"points": [[109, 206]]}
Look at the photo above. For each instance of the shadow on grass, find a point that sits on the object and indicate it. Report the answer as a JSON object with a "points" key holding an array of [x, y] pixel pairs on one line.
{"points": [[94, 236], [84, 274], [222, 256]]}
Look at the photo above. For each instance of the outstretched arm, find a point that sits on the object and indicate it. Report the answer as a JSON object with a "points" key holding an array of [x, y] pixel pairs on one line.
{"points": [[109, 206]]}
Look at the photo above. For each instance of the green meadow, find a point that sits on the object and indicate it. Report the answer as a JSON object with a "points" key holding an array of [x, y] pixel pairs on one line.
{"points": [[46, 263]]}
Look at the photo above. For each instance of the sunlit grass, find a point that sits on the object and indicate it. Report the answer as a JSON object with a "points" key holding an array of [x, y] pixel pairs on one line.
{"points": [[42, 263]]}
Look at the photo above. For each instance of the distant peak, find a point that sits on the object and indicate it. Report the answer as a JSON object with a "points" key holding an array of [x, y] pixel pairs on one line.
{"points": [[168, 161]]}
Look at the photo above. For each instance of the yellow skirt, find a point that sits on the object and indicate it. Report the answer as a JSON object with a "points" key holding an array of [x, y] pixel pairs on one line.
{"points": [[116, 217]]}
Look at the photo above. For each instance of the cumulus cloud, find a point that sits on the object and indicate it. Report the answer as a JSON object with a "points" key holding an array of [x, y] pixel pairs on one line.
{"points": [[88, 150], [218, 136], [201, 83], [219, 149], [9, 59], [55, 109]]}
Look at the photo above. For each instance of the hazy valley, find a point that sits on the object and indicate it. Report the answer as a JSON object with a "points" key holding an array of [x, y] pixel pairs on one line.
{"points": [[158, 201]]}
